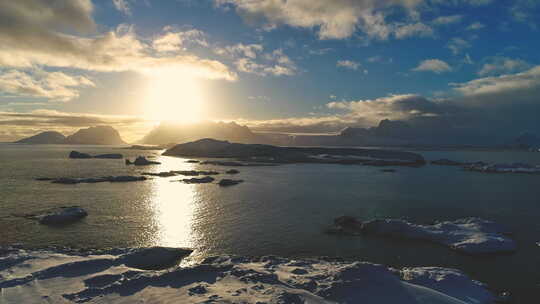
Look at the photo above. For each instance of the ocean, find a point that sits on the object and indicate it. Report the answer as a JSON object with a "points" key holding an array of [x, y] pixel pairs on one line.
{"points": [[281, 210]]}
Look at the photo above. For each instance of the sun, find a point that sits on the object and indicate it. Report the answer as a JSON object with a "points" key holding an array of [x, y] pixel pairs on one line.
{"points": [[173, 95]]}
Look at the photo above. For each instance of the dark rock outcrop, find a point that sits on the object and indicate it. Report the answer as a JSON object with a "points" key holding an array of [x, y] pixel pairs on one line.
{"points": [[79, 155], [446, 162], [235, 164], [159, 174], [142, 161], [154, 258], [195, 173], [232, 171], [204, 180], [93, 180], [229, 182], [346, 225], [64, 215], [110, 156], [125, 179]]}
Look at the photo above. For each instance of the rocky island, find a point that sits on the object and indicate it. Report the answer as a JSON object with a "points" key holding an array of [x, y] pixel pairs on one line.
{"points": [[92, 180], [473, 236], [211, 148], [80, 155]]}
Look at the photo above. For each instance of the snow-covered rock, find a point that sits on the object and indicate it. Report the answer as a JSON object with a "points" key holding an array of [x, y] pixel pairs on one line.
{"points": [[37, 276], [469, 235], [449, 281]]}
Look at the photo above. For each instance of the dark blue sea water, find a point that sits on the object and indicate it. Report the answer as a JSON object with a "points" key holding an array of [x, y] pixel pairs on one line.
{"points": [[280, 210]]}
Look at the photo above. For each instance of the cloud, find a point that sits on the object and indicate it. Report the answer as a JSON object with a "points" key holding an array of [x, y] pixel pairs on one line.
{"points": [[456, 45], [56, 86], [475, 26], [240, 49], [247, 65], [297, 125], [251, 58], [359, 113], [174, 41], [414, 29], [529, 79], [65, 37], [433, 65], [122, 6], [484, 110], [445, 20], [348, 64], [503, 65], [336, 19], [525, 11], [468, 59], [320, 52]]}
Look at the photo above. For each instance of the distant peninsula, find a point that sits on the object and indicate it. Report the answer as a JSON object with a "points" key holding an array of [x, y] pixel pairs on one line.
{"points": [[211, 148], [100, 135]]}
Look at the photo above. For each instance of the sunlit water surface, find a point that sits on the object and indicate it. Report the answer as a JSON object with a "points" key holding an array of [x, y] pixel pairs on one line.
{"points": [[279, 210]]}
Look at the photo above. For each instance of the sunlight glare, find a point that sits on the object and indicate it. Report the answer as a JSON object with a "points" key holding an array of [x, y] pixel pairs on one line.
{"points": [[173, 95]]}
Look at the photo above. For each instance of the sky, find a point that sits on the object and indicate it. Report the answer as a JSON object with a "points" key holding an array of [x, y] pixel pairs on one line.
{"points": [[274, 65]]}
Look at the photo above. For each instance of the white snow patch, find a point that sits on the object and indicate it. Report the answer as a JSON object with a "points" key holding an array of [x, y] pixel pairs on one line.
{"points": [[40, 276], [469, 235]]}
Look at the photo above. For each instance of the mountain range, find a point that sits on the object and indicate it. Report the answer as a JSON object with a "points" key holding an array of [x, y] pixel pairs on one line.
{"points": [[100, 135], [386, 133]]}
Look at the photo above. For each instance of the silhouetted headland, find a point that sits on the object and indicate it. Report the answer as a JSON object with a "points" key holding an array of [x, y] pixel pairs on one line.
{"points": [[211, 148]]}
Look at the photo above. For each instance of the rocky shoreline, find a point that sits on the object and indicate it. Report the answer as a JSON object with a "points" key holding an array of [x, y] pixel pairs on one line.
{"points": [[484, 167]]}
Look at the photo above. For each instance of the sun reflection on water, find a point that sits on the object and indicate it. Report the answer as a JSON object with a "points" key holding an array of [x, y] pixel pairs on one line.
{"points": [[173, 205]]}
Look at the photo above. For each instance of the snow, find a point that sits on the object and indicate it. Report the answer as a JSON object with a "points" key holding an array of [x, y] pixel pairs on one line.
{"points": [[504, 168], [103, 277], [469, 235]]}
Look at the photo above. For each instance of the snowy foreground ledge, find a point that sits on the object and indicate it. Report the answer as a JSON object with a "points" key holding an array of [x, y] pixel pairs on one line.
{"points": [[44, 276]]}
